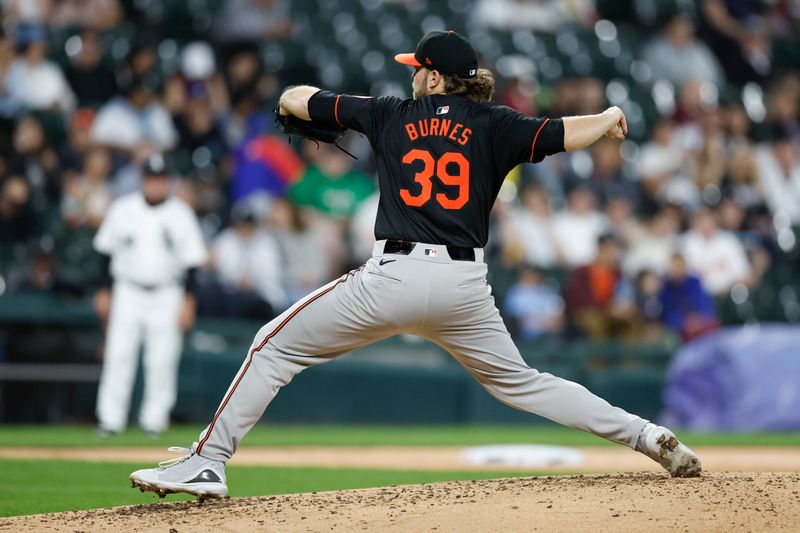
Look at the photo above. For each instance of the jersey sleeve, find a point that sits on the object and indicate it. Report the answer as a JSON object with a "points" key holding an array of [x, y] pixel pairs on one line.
{"points": [[522, 139], [363, 114], [193, 250], [105, 241]]}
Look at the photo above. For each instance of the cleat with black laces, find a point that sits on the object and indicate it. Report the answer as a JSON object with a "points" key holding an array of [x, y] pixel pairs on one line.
{"points": [[191, 474]]}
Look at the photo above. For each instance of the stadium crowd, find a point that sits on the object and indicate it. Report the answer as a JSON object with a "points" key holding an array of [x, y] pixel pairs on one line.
{"points": [[624, 241]]}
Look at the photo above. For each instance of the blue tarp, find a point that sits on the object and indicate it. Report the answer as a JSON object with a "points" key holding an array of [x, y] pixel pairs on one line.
{"points": [[738, 379]]}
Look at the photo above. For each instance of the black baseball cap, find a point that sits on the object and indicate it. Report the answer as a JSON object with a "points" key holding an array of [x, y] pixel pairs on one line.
{"points": [[445, 51], [155, 166]]}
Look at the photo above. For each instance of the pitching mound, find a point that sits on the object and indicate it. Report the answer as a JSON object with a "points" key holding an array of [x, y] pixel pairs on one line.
{"points": [[625, 502]]}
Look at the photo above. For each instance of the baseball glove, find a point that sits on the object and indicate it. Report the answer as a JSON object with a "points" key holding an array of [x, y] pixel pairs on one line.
{"points": [[313, 131]]}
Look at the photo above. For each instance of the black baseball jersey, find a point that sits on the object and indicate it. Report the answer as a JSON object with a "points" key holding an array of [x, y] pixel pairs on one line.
{"points": [[441, 159]]}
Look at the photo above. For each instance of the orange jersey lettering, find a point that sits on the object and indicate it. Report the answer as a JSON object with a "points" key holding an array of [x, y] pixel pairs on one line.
{"points": [[453, 135]]}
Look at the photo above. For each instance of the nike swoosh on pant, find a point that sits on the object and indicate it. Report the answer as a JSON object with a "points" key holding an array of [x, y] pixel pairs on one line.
{"points": [[384, 261]]}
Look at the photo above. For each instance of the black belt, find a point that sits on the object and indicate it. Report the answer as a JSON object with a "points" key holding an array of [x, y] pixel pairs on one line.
{"points": [[147, 287], [394, 246]]}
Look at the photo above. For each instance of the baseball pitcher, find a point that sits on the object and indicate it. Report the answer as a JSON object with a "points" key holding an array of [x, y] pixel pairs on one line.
{"points": [[442, 156]]}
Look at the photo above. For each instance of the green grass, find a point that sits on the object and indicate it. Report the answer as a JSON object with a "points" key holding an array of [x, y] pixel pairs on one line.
{"points": [[32, 487], [46, 486], [275, 435]]}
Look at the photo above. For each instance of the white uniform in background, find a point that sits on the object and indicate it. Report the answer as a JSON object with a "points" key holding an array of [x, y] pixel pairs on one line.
{"points": [[151, 247]]}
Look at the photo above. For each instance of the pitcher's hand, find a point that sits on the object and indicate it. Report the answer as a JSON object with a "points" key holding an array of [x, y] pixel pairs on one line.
{"points": [[619, 126]]}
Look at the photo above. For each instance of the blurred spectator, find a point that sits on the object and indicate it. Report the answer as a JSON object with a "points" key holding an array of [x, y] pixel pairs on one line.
{"points": [[578, 227], [197, 77], [741, 181], [649, 307], [20, 12], [590, 96], [599, 301], [330, 184], [362, 228], [779, 174], [736, 124], [733, 31], [92, 81], [678, 56], [44, 276], [305, 261], [717, 256], [535, 307], [135, 119], [8, 106], [32, 80], [784, 104], [660, 161], [651, 249], [72, 151], [141, 63], [686, 307], [247, 261], [98, 15], [253, 20], [245, 118], [35, 160], [731, 215], [201, 138], [86, 197], [709, 161], [519, 93], [263, 163], [244, 72], [608, 179], [18, 222], [537, 15], [533, 231], [621, 220]]}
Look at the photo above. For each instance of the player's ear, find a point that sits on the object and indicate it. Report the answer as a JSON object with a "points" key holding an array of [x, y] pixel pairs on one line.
{"points": [[434, 79]]}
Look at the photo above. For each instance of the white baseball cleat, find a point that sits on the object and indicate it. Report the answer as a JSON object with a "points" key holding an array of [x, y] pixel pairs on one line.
{"points": [[192, 474], [661, 445]]}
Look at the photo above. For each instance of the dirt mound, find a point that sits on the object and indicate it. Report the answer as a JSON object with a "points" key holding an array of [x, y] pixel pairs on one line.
{"points": [[625, 502], [596, 459]]}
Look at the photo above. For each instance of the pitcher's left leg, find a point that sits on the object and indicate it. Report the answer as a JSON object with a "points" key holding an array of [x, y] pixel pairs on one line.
{"points": [[485, 348]]}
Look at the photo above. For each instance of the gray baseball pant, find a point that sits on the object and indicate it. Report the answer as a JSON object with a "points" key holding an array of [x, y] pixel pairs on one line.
{"points": [[424, 293]]}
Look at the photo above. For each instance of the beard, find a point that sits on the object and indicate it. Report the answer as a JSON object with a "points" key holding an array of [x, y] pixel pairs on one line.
{"points": [[422, 90]]}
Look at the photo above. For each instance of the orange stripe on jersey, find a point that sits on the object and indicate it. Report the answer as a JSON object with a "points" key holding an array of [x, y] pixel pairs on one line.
{"points": [[533, 144], [336, 110]]}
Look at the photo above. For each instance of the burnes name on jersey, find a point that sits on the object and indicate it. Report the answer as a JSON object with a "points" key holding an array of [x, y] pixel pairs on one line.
{"points": [[440, 127]]}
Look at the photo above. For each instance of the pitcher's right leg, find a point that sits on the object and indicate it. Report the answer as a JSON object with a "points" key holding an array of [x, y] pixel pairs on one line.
{"points": [[333, 320]]}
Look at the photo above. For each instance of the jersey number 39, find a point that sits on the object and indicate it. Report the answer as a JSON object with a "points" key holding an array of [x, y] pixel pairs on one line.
{"points": [[459, 179]]}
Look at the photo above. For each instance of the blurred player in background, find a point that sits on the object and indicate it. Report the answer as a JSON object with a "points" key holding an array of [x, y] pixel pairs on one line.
{"points": [[153, 245]]}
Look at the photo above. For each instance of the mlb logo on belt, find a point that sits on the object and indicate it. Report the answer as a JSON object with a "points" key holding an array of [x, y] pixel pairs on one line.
{"points": [[433, 252], [442, 110]]}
